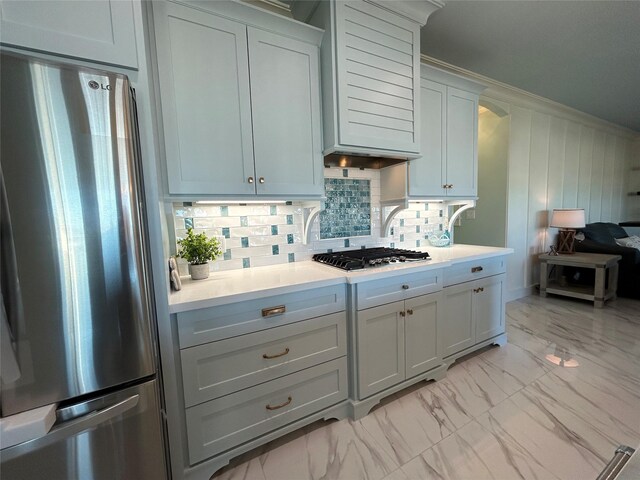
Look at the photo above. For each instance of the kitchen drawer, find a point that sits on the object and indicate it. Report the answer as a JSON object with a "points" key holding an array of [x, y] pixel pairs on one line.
{"points": [[378, 292], [467, 271], [196, 327], [220, 424], [215, 369]]}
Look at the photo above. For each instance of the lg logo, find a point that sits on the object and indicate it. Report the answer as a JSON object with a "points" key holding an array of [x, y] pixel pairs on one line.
{"points": [[95, 85]]}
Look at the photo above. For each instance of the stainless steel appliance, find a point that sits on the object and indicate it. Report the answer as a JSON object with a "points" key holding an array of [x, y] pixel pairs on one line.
{"points": [[76, 307], [369, 257]]}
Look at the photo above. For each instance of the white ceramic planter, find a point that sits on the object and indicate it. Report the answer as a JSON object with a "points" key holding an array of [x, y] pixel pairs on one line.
{"points": [[199, 272]]}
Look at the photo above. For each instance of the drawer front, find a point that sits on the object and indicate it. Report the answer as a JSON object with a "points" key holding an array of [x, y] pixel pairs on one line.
{"points": [[468, 271], [217, 323], [387, 290], [221, 424], [215, 369]]}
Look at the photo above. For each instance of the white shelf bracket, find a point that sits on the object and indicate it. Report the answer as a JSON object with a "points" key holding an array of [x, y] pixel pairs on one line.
{"points": [[387, 218], [466, 205], [309, 213]]}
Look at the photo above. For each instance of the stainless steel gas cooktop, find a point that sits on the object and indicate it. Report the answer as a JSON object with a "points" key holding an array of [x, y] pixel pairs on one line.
{"points": [[369, 257]]}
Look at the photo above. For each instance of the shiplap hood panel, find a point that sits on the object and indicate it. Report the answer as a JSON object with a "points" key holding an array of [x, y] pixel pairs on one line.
{"points": [[370, 60]]}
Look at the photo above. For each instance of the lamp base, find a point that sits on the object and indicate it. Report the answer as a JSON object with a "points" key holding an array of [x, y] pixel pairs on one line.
{"points": [[566, 240]]}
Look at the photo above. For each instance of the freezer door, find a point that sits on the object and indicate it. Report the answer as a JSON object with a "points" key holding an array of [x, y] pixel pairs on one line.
{"points": [[75, 298], [117, 436]]}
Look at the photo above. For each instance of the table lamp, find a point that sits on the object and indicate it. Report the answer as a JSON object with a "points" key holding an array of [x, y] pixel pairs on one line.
{"points": [[567, 220]]}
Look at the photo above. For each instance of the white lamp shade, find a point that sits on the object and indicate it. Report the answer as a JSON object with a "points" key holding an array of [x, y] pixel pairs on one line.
{"points": [[567, 218]]}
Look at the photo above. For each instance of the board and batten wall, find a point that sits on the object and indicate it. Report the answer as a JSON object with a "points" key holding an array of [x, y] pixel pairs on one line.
{"points": [[558, 158]]}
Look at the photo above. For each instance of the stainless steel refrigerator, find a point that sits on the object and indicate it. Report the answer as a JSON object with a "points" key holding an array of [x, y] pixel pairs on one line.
{"points": [[76, 310]]}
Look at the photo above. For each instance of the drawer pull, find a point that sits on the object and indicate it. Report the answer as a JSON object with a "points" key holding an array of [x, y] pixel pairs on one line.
{"points": [[276, 407], [478, 290], [267, 312], [409, 311], [405, 287], [281, 354], [476, 269]]}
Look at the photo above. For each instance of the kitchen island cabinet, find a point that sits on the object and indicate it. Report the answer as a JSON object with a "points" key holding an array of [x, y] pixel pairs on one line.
{"points": [[240, 101]]}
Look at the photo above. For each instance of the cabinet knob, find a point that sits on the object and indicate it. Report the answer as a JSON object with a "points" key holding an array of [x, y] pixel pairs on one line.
{"points": [[261, 180], [405, 287], [402, 314], [250, 179], [451, 185], [410, 311], [445, 186]]}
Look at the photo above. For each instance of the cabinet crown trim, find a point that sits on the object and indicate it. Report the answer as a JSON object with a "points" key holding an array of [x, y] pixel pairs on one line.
{"points": [[259, 18], [434, 74]]}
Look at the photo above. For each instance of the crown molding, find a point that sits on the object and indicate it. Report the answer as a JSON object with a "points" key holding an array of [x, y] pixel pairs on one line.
{"points": [[418, 12], [515, 96]]}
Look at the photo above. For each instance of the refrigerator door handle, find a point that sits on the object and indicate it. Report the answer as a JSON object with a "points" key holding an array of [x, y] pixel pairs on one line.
{"points": [[72, 427], [9, 368]]}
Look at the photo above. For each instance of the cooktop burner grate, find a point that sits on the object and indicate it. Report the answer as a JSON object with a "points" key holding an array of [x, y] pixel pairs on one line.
{"points": [[369, 257]]}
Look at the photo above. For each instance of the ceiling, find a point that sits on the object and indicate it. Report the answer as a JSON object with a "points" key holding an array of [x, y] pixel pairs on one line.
{"points": [[584, 54]]}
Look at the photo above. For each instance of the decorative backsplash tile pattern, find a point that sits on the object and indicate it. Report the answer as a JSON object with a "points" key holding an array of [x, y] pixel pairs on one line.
{"points": [[268, 234], [347, 211]]}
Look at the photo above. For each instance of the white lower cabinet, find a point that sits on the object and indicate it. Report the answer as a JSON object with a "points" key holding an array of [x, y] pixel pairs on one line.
{"points": [[282, 361], [473, 313], [227, 422], [397, 341]]}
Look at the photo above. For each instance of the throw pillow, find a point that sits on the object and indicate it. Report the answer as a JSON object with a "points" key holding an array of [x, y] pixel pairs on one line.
{"points": [[632, 241]]}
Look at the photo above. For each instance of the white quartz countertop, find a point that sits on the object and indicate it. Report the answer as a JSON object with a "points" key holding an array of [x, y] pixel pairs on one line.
{"points": [[251, 283]]}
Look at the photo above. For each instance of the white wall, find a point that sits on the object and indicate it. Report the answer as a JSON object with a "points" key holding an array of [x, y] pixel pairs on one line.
{"points": [[556, 161]]}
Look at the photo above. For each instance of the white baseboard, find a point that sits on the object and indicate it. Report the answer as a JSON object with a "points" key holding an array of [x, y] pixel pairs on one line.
{"points": [[521, 292]]}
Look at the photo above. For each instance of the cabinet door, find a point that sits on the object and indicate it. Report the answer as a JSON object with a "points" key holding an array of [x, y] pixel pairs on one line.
{"points": [[285, 101], [378, 77], [462, 141], [421, 333], [380, 348], [488, 308], [100, 31], [426, 173], [204, 87], [457, 331]]}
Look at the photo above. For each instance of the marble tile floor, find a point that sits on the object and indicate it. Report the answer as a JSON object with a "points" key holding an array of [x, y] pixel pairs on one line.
{"points": [[553, 403]]}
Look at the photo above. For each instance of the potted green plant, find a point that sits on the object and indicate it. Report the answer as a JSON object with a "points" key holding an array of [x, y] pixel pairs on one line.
{"points": [[198, 249]]}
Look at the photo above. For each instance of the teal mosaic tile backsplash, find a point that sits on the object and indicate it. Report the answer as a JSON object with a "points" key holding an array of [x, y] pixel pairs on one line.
{"points": [[347, 210]]}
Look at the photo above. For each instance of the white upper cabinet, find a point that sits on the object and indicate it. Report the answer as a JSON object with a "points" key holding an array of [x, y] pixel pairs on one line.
{"points": [[99, 31], [240, 104], [371, 76], [206, 109], [285, 86], [449, 137]]}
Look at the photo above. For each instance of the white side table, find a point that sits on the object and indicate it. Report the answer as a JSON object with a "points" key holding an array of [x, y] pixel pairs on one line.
{"points": [[602, 264]]}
